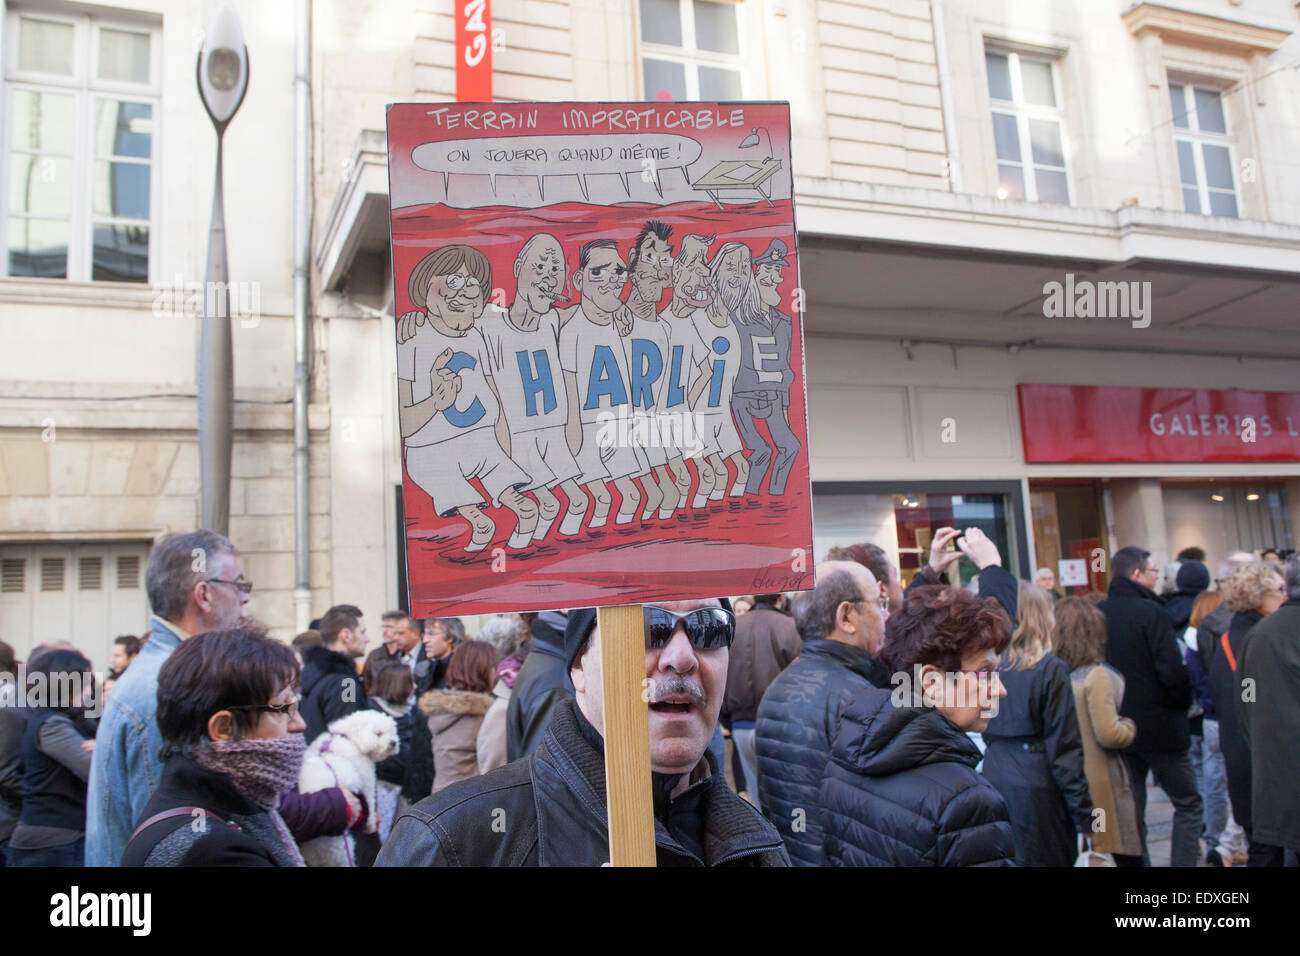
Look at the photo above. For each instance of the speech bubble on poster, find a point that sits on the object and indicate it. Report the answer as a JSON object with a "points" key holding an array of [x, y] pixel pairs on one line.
{"points": [[579, 156]]}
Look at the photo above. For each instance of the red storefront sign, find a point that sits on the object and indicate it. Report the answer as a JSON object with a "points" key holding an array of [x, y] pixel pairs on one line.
{"points": [[1078, 423], [473, 51]]}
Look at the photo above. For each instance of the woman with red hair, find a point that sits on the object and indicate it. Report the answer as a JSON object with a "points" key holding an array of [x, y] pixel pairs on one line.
{"points": [[901, 788]]}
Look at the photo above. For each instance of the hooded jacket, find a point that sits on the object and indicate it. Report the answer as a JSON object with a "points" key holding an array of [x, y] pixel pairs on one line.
{"points": [[1140, 644], [540, 687], [1226, 688], [550, 810], [331, 688], [454, 720], [901, 790]]}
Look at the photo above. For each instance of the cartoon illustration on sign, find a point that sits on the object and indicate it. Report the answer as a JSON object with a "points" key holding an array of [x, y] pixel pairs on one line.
{"points": [[600, 356]]}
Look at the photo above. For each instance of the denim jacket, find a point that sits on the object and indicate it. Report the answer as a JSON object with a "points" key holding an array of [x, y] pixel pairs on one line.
{"points": [[126, 768]]}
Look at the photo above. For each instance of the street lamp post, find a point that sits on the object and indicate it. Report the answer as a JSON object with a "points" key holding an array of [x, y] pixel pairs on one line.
{"points": [[223, 80]]}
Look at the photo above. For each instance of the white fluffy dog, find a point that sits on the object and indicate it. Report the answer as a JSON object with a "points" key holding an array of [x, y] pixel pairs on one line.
{"points": [[345, 757]]}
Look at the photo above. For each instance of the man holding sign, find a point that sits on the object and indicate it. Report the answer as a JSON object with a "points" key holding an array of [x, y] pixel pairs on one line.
{"points": [[550, 809]]}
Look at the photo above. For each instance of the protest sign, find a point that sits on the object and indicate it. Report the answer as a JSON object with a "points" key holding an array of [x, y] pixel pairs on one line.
{"points": [[599, 353]]}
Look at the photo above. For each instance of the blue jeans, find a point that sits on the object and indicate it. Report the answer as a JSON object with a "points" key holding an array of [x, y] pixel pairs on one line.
{"points": [[70, 854], [1214, 784], [1174, 774]]}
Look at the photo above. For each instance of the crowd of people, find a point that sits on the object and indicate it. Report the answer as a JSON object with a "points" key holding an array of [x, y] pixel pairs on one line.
{"points": [[870, 724]]}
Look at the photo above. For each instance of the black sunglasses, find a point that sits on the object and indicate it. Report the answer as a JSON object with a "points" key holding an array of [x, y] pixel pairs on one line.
{"points": [[707, 628]]}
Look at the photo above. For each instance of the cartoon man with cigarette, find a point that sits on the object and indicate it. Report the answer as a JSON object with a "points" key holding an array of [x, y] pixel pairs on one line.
{"points": [[450, 415]]}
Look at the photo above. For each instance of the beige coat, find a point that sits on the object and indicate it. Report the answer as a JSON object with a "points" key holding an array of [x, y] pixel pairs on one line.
{"points": [[492, 733], [1098, 692], [454, 719]]}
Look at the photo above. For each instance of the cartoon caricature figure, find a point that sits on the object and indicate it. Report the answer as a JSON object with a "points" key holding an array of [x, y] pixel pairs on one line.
{"points": [[687, 370], [647, 344], [596, 376], [719, 333], [450, 418], [523, 346], [762, 387]]}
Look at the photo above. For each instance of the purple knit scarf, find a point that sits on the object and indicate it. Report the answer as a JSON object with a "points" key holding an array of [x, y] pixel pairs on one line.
{"points": [[262, 769]]}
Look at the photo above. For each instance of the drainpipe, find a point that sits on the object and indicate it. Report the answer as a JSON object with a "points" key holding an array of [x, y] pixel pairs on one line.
{"points": [[945, 96], [301, 302]]}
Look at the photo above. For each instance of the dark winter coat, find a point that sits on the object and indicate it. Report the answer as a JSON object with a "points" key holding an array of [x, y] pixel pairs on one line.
{"points": [[1226, 690], [793, 734], [1271, 724], [550, 810], [1034, 758], [175, 841], [54, 774], [541, 686], [1140, 644], [394, 769], [1212, 629], [766, 643], [331, 688], [901, 790], [13, 721], [430, 674]]}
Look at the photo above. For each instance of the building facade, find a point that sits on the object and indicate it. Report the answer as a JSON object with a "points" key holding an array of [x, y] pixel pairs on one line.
{"points": [[953, 160]]}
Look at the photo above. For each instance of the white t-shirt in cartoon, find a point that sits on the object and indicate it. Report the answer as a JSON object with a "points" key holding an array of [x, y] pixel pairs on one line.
{"points": [[724, 347], [595, 354], [526, 369], [476, 407], [685, 352]]}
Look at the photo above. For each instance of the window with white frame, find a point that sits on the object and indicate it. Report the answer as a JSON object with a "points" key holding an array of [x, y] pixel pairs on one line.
{"points": [[690, 50], [80, 133], [1204, 150], [1027, 127]]}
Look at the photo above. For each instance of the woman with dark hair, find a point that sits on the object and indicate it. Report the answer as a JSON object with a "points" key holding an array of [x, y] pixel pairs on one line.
{"points": [[457, 710], [901, 788], [232, 745], [1079, 639], [51, 829], [1034, 755]]}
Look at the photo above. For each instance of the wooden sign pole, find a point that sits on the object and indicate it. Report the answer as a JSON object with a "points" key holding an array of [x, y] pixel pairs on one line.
{"points": [[627, 736]]}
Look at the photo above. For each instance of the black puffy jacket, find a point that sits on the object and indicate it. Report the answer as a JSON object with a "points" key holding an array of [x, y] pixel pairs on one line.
{"points": [[793, 732], [901, 790]]}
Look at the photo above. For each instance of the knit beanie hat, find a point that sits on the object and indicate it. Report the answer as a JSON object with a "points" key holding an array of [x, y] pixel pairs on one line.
{"points": [[1193, 576]]}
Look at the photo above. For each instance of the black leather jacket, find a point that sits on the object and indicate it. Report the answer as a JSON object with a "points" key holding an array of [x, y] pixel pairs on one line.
{"points": [[550, 810], [541, 686]]}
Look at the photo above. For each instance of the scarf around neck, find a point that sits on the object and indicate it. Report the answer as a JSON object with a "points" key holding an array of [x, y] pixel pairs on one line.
{"points": [[262, 770]]}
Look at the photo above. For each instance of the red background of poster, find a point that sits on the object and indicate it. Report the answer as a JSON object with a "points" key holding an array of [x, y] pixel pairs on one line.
{"points": [[735, 546], [1080, 423]]}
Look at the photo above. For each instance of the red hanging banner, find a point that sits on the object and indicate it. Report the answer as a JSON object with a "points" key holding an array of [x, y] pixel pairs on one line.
{"points": [[473, 51]]}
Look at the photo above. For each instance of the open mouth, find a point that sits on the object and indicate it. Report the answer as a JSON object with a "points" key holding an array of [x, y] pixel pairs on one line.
{"points": [[672, 706]]}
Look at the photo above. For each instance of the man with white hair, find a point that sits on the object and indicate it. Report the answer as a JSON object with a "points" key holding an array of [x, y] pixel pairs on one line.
{"points": [[1045, 578], [550, 809]]}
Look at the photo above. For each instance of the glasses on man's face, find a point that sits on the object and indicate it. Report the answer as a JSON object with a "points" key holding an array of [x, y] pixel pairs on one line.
{"points": [[241, 585], [290, 709], [707, 628]]}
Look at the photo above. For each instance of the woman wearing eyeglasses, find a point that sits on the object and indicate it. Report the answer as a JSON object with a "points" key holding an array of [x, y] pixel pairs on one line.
{"points": [[901, 788], [232, 746]]}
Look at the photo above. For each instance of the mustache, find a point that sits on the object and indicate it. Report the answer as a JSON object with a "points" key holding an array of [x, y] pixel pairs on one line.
{"points": [[678, 686]]}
